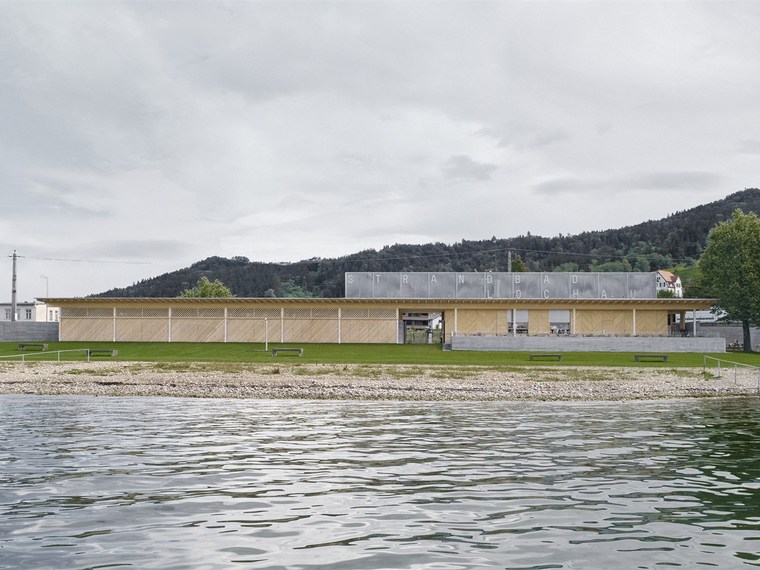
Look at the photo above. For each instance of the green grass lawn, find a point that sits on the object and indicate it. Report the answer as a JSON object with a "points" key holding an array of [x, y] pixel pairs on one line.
{"points": [[349, 354]]}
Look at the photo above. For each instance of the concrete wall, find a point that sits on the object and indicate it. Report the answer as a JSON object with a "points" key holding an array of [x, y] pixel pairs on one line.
{"points": [[28, 331], [588, 344], [729, 332]]}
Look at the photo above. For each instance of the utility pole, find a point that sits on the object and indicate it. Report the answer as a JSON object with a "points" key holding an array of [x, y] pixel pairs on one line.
{"points": [[13, 289], [509, 261]]}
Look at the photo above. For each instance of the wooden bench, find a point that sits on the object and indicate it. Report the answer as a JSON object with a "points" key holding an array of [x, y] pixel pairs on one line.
{"points": [[101, 352], [33, 345], [543, 355], [660, 357], [287, 350]]}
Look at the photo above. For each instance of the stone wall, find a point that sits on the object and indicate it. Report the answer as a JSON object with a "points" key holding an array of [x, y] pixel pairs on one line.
{"points": [[588, 344], [730, 332], [28, 331]]}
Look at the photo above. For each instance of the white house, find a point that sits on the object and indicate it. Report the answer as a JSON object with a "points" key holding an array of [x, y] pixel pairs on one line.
{"points": [[34, 312], [667, 281]]}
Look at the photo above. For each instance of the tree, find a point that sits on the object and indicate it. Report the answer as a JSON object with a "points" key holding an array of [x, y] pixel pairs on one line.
{"points": [[206, 288], [518, 265], [730, 267]]}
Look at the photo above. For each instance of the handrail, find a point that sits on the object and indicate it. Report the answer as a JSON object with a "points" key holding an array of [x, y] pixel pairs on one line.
{"points": [[736, 365], [48, 353]]}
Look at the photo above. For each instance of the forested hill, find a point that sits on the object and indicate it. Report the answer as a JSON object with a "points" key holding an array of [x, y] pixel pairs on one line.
{"points": [[675, 242]]}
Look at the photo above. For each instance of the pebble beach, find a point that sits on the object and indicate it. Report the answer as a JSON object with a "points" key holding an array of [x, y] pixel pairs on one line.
{"points": [[373, 382]]}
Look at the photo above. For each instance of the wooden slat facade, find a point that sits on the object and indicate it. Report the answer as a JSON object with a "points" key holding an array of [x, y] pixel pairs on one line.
{"points": [[348, 320]]}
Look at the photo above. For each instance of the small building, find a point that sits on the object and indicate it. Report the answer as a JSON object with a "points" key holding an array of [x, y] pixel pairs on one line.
{"points": [[667, 281], [33, 312]]}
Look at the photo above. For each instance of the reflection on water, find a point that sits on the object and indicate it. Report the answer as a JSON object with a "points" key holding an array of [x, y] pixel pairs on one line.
{"points": [[91, 482]]}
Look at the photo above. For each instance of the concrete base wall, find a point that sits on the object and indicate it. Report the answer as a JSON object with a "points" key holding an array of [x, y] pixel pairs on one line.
{"points": [[588, 344], [731, 333], [28, 332]]}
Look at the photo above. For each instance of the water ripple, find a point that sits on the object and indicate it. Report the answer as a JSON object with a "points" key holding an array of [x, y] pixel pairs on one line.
{"points": [[173, 483]]}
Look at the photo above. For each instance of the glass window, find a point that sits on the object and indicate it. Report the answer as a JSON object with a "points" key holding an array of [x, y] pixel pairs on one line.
{"points": [[521, 321], [28, 314], [7, 314], [559, 321]]}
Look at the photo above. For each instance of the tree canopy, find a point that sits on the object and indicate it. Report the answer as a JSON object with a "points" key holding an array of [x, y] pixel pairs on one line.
{"points": [[207, 288], [730, 267]]}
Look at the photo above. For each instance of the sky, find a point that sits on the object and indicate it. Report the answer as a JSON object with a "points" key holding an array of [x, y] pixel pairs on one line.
{"points": [[137, 138]]}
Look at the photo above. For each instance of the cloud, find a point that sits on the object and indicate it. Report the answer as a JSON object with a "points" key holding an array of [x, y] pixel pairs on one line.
{"points": [[462, 167], [287, 130], [637, 182], [524, 137], [749, 146]]}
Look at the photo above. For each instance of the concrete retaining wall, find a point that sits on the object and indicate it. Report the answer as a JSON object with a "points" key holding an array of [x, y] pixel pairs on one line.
{"points": [[28, 332], [589, 344], [731, 333]]}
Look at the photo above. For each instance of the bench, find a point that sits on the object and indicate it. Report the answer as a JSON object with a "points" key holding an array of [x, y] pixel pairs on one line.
{"points": [[546, 356], [660, 357], [101, 352], [287, 350], [33, 345]]}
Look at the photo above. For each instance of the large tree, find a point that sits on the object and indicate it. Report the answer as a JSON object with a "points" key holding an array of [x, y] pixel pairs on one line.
{"points": [[730, 267], [207, 288]]}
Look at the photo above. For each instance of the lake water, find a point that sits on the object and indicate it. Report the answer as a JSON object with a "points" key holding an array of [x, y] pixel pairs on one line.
{"points": [[91, 482]]}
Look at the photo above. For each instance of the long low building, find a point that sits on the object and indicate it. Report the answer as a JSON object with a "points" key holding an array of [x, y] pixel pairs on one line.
{"points": [[628, 324]]}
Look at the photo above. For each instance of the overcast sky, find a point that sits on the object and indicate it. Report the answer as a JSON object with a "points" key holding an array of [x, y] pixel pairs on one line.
{"points": [[139, 137]]}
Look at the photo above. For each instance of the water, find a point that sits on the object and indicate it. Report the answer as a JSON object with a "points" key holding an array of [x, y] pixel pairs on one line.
{"points": [[91, 482]]}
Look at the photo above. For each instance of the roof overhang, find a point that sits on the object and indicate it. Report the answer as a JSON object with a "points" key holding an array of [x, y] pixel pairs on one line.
{"points": [[660, 303]]}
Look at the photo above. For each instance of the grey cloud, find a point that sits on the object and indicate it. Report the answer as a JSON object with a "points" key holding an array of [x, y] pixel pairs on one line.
{"points": [[533, 138], [749, 146], [137, 250], [463, 167], [638, 182], [137, 121]]}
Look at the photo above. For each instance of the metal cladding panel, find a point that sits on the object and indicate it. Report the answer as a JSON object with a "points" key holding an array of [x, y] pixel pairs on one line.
{"points": [[528, 285], [642, 285], [613, 286], [386, 285], [359, 285], [584, 285], [469, 286], [414, 285], [555, 285], [443, 285], [502, 285], [373, 285]]}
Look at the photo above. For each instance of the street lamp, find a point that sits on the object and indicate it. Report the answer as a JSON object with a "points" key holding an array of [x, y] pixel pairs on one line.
{"points": [[47, 293]]}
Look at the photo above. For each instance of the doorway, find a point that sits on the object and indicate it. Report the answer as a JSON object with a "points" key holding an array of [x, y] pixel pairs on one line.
{"points": [[422, 327]]}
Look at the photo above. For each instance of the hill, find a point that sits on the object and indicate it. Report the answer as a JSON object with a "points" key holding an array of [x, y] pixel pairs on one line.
{"points": [[671, 242]]}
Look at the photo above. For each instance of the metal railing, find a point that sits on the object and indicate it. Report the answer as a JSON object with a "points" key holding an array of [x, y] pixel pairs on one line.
{"points": [[736, 365], [26, 355]]}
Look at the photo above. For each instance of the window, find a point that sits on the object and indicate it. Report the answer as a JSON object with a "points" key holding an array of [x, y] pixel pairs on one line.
{"points": [[7, 314], [521, 321], [28, 314], [559, 321]]}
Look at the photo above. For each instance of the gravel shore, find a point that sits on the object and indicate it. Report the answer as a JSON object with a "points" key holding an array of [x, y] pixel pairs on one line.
{"points": [[371, 382]]}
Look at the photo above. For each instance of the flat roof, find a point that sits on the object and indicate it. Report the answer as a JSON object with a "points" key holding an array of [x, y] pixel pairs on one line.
{"points": [[678, 303]]}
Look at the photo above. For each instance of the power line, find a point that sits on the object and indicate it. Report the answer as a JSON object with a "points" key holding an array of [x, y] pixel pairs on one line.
{"points": [[621, 256], [129, 262]]}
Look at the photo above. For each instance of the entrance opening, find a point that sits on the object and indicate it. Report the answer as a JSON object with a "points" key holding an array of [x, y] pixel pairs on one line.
{"points": [[423, 328]]}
